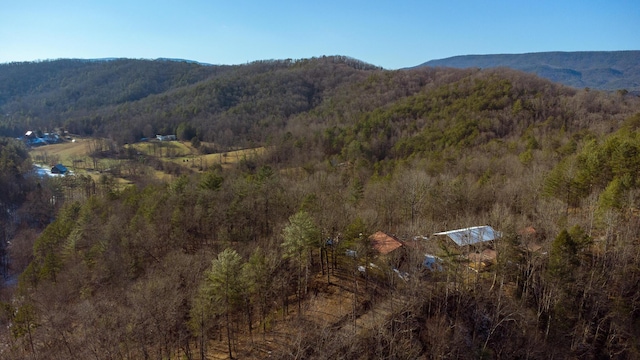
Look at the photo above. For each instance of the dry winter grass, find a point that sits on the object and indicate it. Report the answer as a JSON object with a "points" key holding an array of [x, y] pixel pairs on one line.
{"points": [[76, 156]]}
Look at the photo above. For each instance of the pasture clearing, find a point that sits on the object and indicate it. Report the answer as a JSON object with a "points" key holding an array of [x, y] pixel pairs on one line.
{"points": [[135, 160]]}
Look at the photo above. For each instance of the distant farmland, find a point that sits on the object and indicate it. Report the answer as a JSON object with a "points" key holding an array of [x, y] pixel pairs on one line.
{"points": [[162, 160]]}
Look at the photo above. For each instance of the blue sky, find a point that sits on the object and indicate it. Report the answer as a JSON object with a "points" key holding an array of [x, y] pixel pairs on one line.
{"points": [[391, 34]]}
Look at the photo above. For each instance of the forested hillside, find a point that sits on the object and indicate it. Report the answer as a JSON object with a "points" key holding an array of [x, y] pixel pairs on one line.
{"points": [[603, 70], [129, 99], [262, 259]]}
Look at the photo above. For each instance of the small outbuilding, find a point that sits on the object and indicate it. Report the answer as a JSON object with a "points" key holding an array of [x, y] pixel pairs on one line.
{"points": [[59, 169], [390, 249], [530, 239], [481, 260], [384, 243], [432, 262]]}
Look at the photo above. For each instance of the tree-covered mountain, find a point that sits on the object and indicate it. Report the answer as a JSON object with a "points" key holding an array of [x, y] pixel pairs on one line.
{"points": [[128, 99], [44, 94], [603, 70], [94, 83], [265, 257]]}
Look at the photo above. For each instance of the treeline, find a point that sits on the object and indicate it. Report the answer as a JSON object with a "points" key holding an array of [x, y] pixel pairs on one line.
{"points": [[14, 165], [28, 203]]}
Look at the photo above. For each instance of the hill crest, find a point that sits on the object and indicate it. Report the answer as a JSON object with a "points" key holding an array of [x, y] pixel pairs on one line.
{"points": [[603, 70]]}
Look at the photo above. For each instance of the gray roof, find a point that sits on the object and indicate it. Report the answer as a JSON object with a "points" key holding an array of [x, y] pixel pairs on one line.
{"points": [[471, 235]]}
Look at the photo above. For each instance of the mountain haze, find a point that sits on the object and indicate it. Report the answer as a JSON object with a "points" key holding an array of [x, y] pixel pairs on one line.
{"points": [[603, 70]]}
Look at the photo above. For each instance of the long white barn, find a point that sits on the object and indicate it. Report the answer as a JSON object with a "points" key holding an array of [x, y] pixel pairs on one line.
{"points": [[471, 235]]}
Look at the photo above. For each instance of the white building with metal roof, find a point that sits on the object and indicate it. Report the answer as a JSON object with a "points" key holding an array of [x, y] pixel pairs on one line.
{"points": [[471, 235]]}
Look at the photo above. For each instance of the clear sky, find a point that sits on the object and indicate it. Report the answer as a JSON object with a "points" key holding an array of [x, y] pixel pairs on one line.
{"points": [[391, 34]]}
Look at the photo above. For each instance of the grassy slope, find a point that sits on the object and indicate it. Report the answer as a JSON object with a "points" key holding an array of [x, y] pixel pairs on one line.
{"points": [[176, 152]]}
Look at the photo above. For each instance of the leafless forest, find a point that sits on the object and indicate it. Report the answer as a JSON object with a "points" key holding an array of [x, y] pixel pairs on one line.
{"points": [[265, 259]]}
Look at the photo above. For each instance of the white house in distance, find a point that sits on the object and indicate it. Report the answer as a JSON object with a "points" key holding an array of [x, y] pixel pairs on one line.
{"points": [[166, 137]]}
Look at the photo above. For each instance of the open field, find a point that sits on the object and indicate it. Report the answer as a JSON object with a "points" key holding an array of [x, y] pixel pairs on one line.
{"points": [[225, 159], [64, 152], [76, 156], [163, 149], [186, 155]]}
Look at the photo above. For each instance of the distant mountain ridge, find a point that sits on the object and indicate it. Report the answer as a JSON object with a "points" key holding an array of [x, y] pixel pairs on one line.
{"points": [[603, 70]]}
